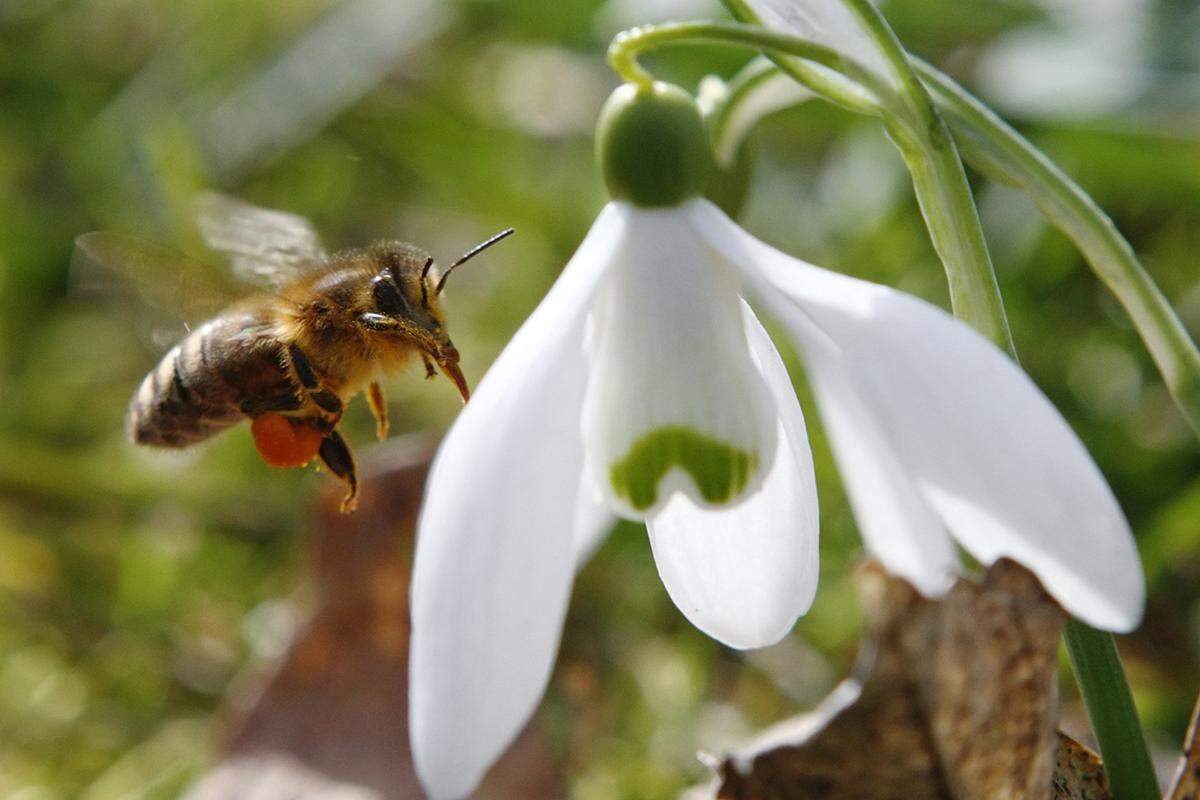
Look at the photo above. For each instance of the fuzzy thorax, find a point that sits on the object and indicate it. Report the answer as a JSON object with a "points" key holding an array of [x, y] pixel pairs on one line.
{"points": [[324, 318]]}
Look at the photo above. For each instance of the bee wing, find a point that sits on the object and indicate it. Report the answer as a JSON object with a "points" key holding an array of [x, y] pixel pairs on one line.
{"points": [[265, 246], [115, 266]]}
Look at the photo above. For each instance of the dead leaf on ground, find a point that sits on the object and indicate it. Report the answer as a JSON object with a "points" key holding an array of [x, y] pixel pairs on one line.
{"points": [[1078, 772], [953, 698]]}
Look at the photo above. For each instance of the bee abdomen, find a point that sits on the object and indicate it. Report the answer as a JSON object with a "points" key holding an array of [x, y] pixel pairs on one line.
{"points": [[184, 399]]}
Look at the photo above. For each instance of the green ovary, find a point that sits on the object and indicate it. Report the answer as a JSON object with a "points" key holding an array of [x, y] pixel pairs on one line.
{"points": [[719, 470]]}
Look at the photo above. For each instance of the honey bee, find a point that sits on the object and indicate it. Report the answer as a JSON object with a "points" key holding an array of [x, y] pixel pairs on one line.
{"points": [[292, 358]]}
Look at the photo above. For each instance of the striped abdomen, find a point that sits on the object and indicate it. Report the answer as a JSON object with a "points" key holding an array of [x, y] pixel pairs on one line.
{"points": [[202, 385]]}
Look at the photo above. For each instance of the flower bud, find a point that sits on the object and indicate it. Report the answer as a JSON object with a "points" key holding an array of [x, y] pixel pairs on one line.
{"points": [[652, 145]]}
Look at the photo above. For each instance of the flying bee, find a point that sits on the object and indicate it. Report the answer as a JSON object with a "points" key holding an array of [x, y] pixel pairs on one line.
{"points": [[290, 359]]}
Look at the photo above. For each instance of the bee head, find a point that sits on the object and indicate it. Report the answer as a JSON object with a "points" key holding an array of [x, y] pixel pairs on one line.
{"points": [[401, 303], [404, 302], [401, 299]]}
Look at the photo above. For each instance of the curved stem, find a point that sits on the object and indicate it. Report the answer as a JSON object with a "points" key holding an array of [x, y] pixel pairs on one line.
{"points": [[628, 45]]}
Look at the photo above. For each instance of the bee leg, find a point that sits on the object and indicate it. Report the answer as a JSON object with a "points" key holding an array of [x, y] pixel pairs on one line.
{"points": [[378, 322], [326, 399], [334, 452], [379, 409], [336, 456], [430, 369], [302, 367]]}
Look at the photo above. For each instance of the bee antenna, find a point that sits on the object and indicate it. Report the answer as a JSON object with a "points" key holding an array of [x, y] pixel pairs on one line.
{"points": [[474, 251], [424, 285]]}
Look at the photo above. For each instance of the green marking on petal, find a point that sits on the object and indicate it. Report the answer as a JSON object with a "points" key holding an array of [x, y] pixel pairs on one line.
{"points": [[719, 470]]}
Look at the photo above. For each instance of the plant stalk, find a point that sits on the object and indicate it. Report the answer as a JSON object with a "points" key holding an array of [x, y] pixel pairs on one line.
{"points": [[946, 202], [1114, 718]]}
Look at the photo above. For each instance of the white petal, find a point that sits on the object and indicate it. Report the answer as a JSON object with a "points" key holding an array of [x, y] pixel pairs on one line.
{"points": [[984, 447], [494, 559], [674, 402], [745, 573], [897, 525], [827, 22]]}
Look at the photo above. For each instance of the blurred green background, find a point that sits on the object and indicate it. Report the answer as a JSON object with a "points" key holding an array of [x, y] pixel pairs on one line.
{"points": [[137, 588]]}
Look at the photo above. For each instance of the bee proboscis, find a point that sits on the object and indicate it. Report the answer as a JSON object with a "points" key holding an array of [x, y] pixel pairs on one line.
{"points": [[290, 359]]}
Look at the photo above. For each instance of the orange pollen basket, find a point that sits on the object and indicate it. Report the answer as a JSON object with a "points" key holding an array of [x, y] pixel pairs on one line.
{"points": [[283, 443]]}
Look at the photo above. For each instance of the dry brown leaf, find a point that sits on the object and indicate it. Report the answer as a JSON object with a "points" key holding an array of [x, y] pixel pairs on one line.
{"points": [[332, 721], [954, 698], [1078, 773]]}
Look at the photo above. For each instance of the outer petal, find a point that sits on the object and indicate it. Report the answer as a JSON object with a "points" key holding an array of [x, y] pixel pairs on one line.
{"points": [[674, 402], [743, 574], [897, 524], [494, 558], [984, 447]]}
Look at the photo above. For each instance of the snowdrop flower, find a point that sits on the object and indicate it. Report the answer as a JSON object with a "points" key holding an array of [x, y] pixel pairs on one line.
{"points": [[644, 386]]}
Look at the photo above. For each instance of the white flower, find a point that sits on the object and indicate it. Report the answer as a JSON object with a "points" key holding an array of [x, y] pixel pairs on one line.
{"points": [[644, 386]]}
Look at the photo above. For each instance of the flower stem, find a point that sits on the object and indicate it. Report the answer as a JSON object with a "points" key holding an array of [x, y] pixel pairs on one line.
{"points": [[950, 215], [942, 190], [1097, 667]]}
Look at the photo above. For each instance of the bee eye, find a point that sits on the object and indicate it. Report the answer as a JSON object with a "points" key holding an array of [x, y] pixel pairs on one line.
{"points": [[388, 299]]}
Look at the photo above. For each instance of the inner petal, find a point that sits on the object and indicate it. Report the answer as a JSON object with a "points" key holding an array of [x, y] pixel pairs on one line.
{"points": [[674, 403]]}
